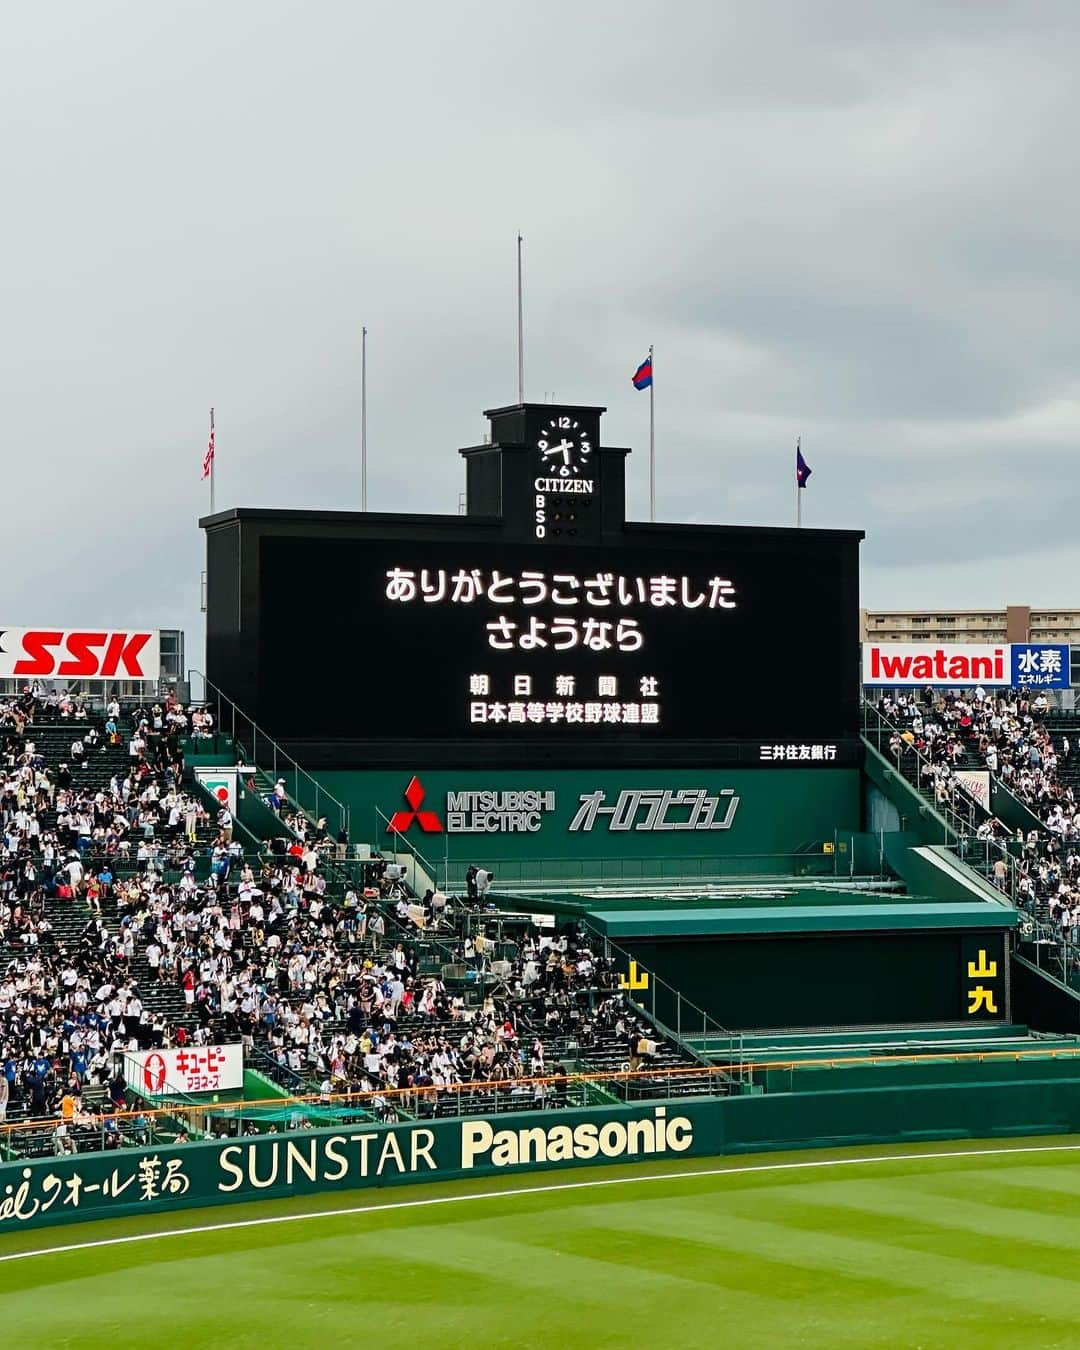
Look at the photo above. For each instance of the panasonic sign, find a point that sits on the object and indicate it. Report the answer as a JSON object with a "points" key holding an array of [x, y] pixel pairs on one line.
{"points": [[484, 1145]]}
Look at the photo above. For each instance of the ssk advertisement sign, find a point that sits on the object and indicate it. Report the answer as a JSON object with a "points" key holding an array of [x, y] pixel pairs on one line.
{"points": [[80, 654]]}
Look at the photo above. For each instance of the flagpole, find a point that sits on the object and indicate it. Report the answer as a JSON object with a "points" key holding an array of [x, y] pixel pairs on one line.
{"points": [[652, 438], [798, 486], [213, 457], [363, 419], [521, 328]]}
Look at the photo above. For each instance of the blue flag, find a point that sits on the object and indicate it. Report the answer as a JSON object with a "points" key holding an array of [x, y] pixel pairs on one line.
{"points": [[642, 377], [802, 469]]}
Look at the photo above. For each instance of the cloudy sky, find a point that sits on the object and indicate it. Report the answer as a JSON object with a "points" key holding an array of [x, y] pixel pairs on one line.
{"points": [[853, 222]]}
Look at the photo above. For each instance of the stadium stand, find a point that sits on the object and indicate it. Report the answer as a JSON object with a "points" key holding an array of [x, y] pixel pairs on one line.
{"points": [[1009, 735], [1029, 749], [132, 919]]}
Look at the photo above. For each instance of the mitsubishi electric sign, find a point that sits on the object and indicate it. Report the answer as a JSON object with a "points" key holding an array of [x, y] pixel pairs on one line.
{"points": [[645, 809], [1016, 665], [512, 817], [471, 812]]}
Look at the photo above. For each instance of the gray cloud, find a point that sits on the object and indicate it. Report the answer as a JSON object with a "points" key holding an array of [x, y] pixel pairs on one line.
{"points": [[855, 223]]}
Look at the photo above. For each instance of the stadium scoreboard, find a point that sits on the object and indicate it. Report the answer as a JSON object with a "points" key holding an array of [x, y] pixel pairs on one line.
{"points": [[541, 621]]}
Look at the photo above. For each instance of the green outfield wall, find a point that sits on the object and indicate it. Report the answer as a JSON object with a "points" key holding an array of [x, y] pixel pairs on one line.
{"points": [[585, 818], [829, 980], [135, 1181]]}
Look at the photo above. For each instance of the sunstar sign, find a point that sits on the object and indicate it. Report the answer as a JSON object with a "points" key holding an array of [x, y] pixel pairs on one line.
{"points": [[481, 1145], [523, 812]]}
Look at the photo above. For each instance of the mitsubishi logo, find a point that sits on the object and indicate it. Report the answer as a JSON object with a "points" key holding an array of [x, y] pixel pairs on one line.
{"points": [[428, 820]]}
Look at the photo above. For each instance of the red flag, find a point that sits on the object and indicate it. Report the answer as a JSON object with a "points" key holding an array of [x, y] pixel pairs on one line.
{"points": [[208, 458]]}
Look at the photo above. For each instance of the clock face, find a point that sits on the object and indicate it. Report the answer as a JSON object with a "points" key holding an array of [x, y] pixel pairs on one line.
{"points": [[565, 446]]}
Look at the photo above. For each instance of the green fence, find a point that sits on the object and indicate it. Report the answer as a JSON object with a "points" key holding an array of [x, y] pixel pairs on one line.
{"points": [[137, 1181], [770, 813]]}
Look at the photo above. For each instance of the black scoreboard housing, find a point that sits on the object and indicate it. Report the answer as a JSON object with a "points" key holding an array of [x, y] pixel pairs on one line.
{"points": [[304, 636]]}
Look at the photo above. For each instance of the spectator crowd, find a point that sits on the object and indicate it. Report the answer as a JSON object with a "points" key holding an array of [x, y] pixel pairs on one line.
{"points": [[130, 919], [1004, 732], [80, 836]]}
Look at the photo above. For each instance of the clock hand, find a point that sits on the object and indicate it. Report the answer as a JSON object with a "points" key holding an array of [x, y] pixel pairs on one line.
{"points": [[561, 449]]}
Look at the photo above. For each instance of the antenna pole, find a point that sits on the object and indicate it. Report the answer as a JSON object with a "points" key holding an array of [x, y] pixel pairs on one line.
{"points": [[521, 327], [363, 419]]}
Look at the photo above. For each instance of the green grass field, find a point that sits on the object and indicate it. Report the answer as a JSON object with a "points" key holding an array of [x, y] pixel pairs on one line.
{"points": [[945, 1250]]}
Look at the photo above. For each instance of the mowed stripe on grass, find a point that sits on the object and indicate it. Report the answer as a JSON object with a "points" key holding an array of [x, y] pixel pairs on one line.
{"points": [[901, 1252]]}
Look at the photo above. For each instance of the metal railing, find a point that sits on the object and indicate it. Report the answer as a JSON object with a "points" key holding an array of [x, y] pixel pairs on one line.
{"points": [[1049, 951], [424, 874], [982, 855], [257, 747], [769, 868], [493, 1097], [89, 1132], [260, 1060], [878, 729], [959, 837], [678, 1017], [488, 1097], [760, 1072]]}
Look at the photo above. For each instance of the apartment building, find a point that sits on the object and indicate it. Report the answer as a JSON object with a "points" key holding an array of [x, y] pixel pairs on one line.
{"points": [[1014, 623]]}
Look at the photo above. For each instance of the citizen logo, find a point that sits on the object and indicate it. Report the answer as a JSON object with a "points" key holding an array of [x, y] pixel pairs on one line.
{"points": [[563, 485]]}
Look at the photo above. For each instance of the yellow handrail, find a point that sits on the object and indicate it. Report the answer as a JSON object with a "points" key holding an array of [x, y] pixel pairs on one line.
{"points": [[346, 1100]]}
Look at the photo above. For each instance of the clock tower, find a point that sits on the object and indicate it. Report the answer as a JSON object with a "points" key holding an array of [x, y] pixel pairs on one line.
{"points": [[546, 474]]}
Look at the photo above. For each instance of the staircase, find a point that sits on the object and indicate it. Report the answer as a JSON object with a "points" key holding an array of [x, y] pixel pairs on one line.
{"points": [[1060, 725]]}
